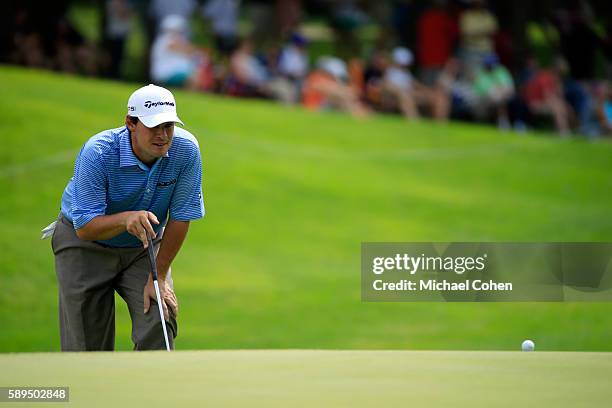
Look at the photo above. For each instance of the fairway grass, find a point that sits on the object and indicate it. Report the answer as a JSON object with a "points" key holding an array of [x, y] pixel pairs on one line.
{"points": [[290, 196], [308, 378]]}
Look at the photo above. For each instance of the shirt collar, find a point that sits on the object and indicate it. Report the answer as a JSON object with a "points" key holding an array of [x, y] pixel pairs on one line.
{"points": [[126, 154]]}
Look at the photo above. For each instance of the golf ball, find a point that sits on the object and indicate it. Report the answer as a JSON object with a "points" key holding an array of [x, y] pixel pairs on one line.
{"points": [[528, 345]]}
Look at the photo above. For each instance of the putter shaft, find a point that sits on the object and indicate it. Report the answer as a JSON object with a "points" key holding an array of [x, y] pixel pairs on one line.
{"points": [[153, 263]]}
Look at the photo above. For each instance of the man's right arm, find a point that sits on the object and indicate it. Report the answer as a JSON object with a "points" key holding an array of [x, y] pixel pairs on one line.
{"points": [[102, 227], [89, 204]]}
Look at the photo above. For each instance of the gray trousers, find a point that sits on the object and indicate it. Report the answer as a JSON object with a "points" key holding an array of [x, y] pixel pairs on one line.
{"points": [[88, 274]]}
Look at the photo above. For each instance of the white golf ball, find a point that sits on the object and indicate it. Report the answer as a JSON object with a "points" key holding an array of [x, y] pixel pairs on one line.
{"points": [[528, 345]]}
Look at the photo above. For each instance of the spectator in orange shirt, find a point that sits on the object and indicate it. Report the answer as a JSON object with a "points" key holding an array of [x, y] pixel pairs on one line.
{"points": [[326, 87]]}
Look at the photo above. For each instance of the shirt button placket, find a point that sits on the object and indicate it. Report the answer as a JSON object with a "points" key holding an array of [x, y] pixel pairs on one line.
{"points": [[147, 197], [149, 190], [151, 181]]}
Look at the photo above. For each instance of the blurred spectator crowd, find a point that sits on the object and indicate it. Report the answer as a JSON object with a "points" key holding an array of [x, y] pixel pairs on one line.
{"points": [[441, 59]]}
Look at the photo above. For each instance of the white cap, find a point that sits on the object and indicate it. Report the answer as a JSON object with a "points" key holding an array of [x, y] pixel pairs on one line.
{"points": [[402, 56], [153, 105], [333, 66], [174, 22]]}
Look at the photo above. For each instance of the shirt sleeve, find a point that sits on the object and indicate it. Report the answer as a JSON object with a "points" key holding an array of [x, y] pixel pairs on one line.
{"points": [[187, 202], [90, 187]]}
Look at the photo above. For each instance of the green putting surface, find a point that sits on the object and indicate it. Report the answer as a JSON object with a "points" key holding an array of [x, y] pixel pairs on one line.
{"points": [[305, 378]]}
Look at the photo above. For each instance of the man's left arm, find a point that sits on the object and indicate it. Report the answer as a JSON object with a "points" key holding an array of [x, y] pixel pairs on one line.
{"points": [[174, 235], [173, 238], [186, 205]]}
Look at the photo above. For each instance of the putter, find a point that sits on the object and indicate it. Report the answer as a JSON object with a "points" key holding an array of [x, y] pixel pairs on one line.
{"points": [[157, 294]]}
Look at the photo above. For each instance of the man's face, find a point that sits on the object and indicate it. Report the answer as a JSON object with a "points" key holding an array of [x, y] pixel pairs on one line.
{"points": [[149, 144]]}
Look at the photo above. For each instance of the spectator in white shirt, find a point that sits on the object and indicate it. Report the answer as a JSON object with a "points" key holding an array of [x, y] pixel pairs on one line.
{"points": [[406, 93], [175, 61]]}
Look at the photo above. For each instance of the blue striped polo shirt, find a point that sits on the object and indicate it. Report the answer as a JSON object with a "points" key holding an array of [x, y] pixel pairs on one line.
{"points": [[109, 178]]}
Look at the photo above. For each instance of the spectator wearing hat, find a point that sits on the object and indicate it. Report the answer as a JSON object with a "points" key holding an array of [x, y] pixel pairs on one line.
{"points": [[406, 93], [494, 88], [293, 62], [175, 61], [160, 9], [326, 87]]}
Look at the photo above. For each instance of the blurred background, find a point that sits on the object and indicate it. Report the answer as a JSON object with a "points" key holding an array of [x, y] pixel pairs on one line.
{"points": [[322, 124], [541, 64]]}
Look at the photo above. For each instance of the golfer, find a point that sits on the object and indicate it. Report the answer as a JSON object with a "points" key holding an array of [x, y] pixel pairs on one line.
{"points": [[144, 178]]}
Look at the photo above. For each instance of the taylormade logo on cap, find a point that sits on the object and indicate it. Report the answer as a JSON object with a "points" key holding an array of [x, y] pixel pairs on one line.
{"points": [[148, 104], [153, 105]]}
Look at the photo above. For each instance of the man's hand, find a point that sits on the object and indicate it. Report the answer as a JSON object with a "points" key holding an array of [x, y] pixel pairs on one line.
{"points": [[166, 293], [138, 223]]}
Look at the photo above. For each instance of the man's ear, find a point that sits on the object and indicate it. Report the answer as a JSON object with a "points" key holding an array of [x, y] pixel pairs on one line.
{"points": [[131, 126]]}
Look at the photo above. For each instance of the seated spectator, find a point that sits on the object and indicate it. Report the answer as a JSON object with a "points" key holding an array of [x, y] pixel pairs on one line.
{"points": [[73, 53], [373, 78], [326, 87], [249, 77], [460, 91], [158, 10], [355, 73], [27, 41], [247, 73], [603, 110], [49, 40], [175, 61], [407, 93], [293, 63], [544, 96], [494, 88], [577, 96]]}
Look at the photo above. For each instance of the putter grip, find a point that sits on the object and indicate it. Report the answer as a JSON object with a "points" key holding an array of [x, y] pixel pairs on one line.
{"points": [[152, 258]]}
